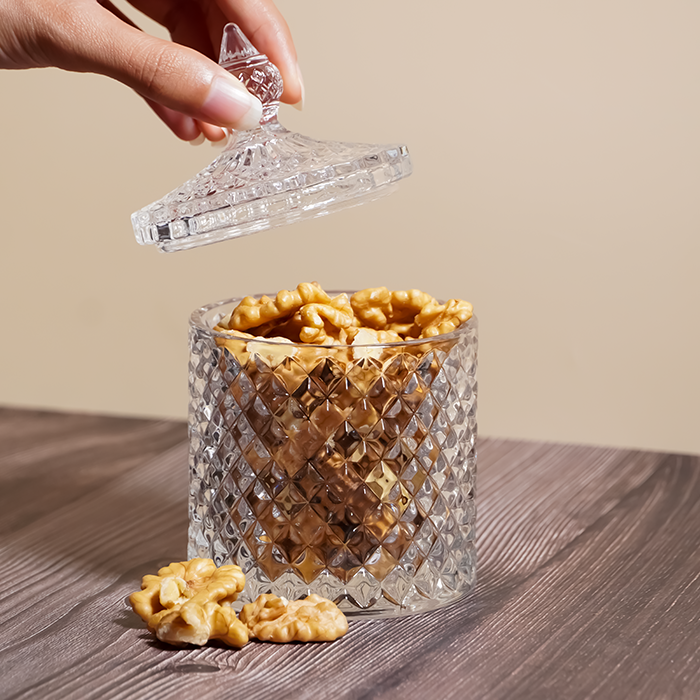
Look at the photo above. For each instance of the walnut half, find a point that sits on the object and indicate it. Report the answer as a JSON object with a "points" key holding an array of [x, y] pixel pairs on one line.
{"points": [[194, 623], [189, 602], [197, 580], [313, 619]]}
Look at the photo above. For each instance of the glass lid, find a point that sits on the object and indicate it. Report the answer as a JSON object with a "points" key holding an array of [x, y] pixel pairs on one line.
{"points": [[267, 176]]}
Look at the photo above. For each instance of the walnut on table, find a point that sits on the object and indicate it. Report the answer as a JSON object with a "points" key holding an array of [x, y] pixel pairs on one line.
{"points": [[313, 619], [190, 603], [197, 580], [193, 623]]}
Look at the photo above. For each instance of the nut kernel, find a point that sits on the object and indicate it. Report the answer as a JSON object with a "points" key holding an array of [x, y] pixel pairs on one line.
{"points": [[197, 581], [253, 312], [194, 623], [372, 306], [314, 619], [322, 323], [438, 319], [379, 308], [310, 316]]}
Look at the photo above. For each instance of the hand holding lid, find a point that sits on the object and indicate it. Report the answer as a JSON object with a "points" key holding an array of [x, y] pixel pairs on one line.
{"points": [[267, 176]]}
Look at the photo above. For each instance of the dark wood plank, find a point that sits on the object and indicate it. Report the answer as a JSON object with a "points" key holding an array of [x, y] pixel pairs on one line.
{"points": [[588, 583], [50, 459]]}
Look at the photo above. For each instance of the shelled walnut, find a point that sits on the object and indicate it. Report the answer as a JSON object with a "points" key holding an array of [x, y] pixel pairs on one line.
{"points": [[190, 603], [313, 619], [193, 623], [309, 315], [197, 580]]}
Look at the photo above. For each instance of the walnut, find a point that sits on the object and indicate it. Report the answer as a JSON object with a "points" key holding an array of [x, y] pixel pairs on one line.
{"points": [[189, 602], [367, 342], [407, 331], [313, 619], [372, 306], [322, 323], [310, 316], [371, 336], [437, 319], [380, 309], [198, 580], [197, 623], [253, 312], [406, 304]]}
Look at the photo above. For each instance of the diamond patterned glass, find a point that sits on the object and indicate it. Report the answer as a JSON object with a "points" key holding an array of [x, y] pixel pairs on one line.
{"points": [[343, 471]]}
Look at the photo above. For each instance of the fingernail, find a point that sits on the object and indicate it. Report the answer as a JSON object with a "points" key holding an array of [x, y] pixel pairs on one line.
{"points": [[230, 104], [198, 141], [300, 105]]}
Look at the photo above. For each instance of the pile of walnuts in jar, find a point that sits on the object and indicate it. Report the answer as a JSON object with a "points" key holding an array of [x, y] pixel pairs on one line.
{"points": [[374, 315]]}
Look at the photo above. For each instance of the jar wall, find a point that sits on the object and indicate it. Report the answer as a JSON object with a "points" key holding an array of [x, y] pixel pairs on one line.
{"points": [[345, 472]]}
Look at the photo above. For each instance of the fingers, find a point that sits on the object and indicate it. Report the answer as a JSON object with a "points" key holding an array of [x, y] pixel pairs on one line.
{"points": [[187, 128], [188, 21], [191, 27], [213, 133], [176, 77], [184, 127], [188, 90]]}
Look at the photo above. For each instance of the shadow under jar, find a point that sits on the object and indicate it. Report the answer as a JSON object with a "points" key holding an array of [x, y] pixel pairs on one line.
{"points": [[346, 471]]}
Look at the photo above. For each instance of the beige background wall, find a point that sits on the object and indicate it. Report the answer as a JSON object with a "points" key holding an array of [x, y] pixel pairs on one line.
{"points": [[556, 151]]}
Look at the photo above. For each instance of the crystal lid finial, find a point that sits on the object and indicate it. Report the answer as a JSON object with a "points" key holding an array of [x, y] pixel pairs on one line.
{"points": [[235, 46], [268, 176], [254, 69]]}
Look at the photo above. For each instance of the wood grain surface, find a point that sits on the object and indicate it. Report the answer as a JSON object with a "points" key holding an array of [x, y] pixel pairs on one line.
{"points": [[589, 579]]}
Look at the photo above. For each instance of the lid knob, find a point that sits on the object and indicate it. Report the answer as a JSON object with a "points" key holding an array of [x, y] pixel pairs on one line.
{"points": [[254, 69]]}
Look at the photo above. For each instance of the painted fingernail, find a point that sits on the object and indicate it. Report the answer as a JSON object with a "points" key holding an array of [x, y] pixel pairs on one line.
{"points": [[198, 141], [230, 104], [300, 105]]}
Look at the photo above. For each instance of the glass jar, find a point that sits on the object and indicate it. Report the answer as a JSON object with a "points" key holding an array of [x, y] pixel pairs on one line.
{"points": [[346, 471]]}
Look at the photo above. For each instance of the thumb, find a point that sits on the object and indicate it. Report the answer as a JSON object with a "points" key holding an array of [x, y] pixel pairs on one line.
{"points": [[169, 74]]}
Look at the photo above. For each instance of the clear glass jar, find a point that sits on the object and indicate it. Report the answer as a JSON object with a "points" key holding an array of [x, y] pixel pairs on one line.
{"points": [[346, 471]]}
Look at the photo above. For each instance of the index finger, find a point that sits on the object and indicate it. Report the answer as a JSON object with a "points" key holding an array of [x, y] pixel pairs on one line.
{"points": [[188, 21]]}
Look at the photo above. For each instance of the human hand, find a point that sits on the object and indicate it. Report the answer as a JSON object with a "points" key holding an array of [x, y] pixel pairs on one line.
{"points": [[180, 80]]}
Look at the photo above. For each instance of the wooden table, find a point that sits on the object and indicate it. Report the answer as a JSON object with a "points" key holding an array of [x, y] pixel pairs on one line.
{"points": [[589, 579]]}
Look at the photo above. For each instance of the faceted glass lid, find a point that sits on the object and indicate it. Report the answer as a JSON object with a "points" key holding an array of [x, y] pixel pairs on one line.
{"points": [[267, 176]]}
